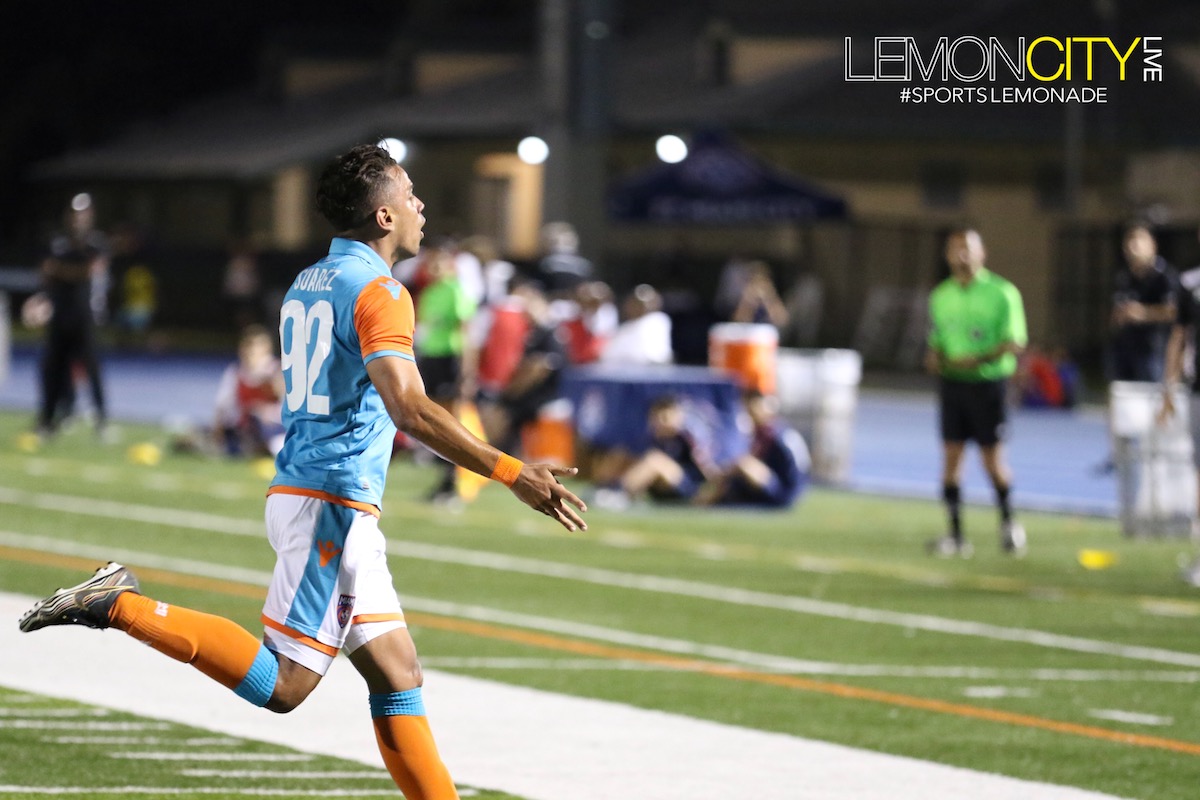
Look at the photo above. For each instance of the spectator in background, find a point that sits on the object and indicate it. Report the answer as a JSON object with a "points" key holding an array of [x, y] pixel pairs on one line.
{"points": [[774, 473], [1143, 309], [591, 324], [759, 301], [78, 258], [977, 328], [241, 286], [731, 286], [561, 267], [495, 272], [1181, 343], [443, 313], [1046, 378], [644, 335], [534, 380], [139, 288], [675, 466], [249, 404]]}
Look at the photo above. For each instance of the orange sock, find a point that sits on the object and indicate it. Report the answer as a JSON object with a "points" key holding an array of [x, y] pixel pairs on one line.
{"points": [[220, 648], [408, 749]]}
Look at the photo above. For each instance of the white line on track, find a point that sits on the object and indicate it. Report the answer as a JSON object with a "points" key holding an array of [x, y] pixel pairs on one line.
{"points": [[531, 743], [151, 755]]}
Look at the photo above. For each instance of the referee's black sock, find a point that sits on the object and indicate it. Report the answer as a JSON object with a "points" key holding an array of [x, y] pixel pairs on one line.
{"points": [[953, 497], [1002, 492]]}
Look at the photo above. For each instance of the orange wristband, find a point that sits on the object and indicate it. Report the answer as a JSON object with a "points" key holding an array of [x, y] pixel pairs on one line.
{"points": [[507, 469]]}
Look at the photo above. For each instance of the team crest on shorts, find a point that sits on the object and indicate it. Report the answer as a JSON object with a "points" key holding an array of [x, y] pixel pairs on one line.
{"points": [[345, 609]]}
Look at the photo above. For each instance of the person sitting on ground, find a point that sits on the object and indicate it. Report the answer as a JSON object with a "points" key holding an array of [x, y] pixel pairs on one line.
{"points": [[675, 466], [774, 473], [249, 403]]}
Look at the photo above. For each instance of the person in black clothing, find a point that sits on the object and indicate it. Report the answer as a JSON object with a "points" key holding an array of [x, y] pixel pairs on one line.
{"points": [[774, 473], [76, 264], [534, 383], [1143, 309], [1182, 341]]}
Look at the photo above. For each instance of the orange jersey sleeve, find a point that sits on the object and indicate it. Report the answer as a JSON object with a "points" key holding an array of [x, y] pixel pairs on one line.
{"points": [[384, 320]]}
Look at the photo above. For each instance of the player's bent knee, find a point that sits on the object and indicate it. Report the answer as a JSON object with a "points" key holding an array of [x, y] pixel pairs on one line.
{"points": [[293, 684]]}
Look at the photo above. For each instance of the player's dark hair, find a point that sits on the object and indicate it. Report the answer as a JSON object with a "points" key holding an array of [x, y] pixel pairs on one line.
{"points": [[352, 185]]}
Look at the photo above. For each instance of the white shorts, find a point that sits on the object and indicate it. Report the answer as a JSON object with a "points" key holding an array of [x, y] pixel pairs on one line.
{"points": [[331, 588]]}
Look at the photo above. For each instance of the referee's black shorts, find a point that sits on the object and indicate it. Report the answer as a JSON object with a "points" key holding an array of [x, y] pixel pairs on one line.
{"points": [[973, 411]]}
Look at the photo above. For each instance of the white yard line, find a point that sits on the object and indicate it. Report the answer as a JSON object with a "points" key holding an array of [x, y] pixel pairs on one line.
{"points": [[224, 791], [195, 741], [162, 755], [1130, 717], [259, 774], [762, 661], [536, 744], [63, 725]]}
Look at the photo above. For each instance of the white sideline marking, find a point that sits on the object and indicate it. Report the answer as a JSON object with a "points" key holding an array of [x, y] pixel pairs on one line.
{"points": [[996, 692], [845, 670], [54, 712], [266, 773], [223, 790], [1132, 717], [605, 577], [164, 756], [536, 744], [195, 741], [60, 725], [744, 657]]}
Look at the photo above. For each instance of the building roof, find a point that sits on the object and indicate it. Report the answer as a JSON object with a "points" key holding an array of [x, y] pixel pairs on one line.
{"points": [[656, 86]]}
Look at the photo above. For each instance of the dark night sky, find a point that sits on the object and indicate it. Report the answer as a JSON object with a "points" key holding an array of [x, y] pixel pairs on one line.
{"points": [[77, 73]]}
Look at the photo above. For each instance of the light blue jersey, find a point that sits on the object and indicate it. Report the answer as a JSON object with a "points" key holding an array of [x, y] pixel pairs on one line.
{"points": [[339, 314]]}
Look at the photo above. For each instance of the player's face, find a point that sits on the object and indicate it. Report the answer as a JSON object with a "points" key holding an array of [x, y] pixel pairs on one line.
{"points": [[409, 220]]}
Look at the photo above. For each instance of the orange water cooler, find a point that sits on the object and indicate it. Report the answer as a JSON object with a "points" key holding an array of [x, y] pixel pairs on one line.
{"points": [[746, 350]]}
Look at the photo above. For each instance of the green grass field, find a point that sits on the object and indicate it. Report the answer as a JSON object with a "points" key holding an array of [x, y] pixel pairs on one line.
{"points": [[827, 622]]}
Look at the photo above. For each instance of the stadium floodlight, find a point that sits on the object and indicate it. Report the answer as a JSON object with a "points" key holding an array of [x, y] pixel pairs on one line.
{"points": [[396, 148], [671, 149], [533, 150]]}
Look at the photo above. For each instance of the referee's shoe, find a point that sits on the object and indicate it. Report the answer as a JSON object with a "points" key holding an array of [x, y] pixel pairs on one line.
{"points": [[1012, 538], [87, 603]]}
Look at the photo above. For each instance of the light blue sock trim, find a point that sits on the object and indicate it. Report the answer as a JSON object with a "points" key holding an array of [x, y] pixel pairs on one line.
{"points": [[259, 682], [398, 704]]}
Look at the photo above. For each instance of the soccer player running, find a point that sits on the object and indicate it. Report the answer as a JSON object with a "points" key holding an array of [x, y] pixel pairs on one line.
{"points": [[346, 330], [977, 328]]}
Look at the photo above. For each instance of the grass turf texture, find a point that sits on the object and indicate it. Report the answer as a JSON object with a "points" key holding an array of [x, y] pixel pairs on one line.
{"points": [[62, 756], [837, 547]]}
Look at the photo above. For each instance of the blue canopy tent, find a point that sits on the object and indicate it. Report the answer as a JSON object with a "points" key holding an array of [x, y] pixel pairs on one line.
{"points": [[719, 184]]}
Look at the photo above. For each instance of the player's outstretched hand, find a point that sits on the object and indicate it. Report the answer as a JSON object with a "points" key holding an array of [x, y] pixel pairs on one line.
{"points": [[537, 487]]}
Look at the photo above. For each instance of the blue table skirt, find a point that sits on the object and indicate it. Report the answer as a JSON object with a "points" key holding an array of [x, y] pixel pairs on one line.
{"points": [[611, 404]]}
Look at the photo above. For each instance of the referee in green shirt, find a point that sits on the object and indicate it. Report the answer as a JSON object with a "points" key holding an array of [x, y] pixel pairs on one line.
{"points": [[977, 328]]}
